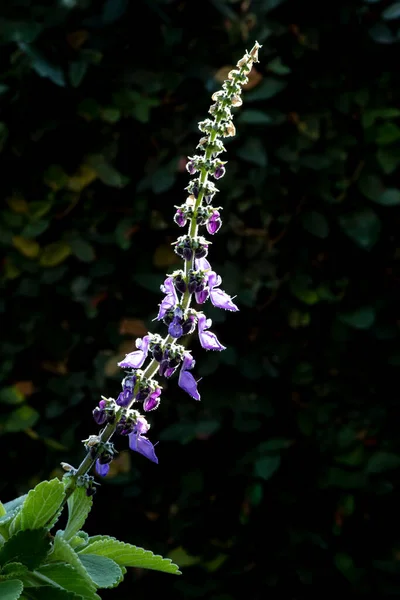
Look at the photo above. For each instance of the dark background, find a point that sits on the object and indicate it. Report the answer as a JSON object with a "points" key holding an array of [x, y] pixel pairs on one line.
{"points": [[285, 478]]}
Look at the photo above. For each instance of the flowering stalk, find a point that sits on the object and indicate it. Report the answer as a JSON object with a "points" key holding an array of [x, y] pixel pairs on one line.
{"points": [[196, 280]]}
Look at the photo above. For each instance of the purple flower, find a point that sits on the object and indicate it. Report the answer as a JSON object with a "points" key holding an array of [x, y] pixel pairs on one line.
{"points": [[218, 297], [175, 327], [139, 443], [152, 401], [180, 218], [186, 380], [208, 340], [170, 299], [102, 469], [219, 172], [134, 360], [214, 223], [191, 167]]}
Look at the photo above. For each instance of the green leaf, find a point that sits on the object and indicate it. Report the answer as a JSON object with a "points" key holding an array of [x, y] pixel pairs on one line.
{"points": [[79, 505], [27, 547], [390, 197], [42, 66], [69, 579], [316, 224], [254, 117], [20, 419], [63, 553], [361, 318], [387, 133], [392, 12], [106, 172], [6, 521], [266, 466], [11, 505], [42, 504], [49, 592], [371, 186], [370, 116], [253, 151], [362, 226], [13, 570], [276, 66], [181, 556], [77, 71], [2, 510], [383, 461], [268, 88], [11, 590], [55, 254], [388, 159], [129, 556], [82, 250], [104, 572], [11, 395]]}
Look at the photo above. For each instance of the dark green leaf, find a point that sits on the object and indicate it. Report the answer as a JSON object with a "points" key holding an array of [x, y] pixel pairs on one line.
{"points": [[392, 12], [362, 318], [42, 504], [316, 224], [268, 88], [27, 547], [362, 226], [253, 151], [383, 461], [266, 466]]}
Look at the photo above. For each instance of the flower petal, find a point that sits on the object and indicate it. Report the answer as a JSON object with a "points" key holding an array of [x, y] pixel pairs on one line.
{"points": [[102, 470], [202, 264], [188, 383], [213, 279], [208, 340], [134, 360], [166, 304], [221, 300], [141, 444]]}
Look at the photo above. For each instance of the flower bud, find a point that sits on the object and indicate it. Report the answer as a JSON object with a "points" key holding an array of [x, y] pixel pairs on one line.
{"points": [[180, 218], [219, 172], [191, 167], [214, 223]]}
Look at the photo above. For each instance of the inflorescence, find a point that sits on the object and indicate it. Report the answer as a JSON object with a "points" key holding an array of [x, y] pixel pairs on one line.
{"points": [[195, 281]]}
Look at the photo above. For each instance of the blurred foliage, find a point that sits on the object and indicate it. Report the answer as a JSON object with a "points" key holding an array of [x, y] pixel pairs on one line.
{"points": [[286, 476]]}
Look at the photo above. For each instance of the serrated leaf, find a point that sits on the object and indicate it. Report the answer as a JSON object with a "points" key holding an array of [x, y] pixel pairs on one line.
{"points": [[11, 590], [13, 570], [69, 579], [49, 592], [63, 553], [104, 572], [54, 254], [11, 505], [128, 555], [80, 539], [27, 547], [79, 506], [41, 504]]}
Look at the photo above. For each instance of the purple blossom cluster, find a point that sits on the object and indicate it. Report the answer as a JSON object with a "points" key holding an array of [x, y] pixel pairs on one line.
{"points": [[195, 283]]}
